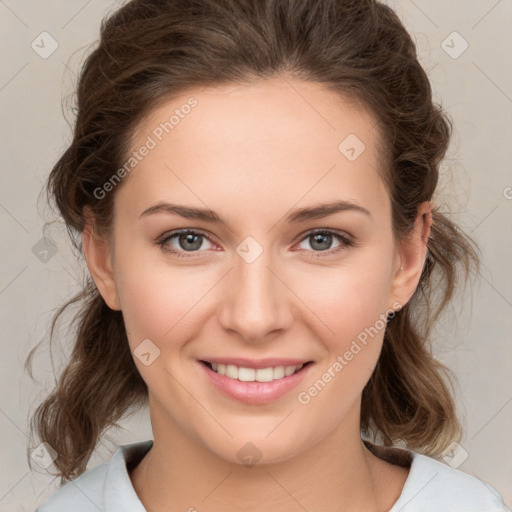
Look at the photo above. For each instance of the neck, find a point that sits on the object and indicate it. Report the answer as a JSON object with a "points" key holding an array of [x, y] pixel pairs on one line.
{"points": [[335, 473]]}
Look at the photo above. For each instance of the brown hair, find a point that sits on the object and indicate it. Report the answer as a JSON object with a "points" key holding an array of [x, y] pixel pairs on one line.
{"points": [[152, 50]]}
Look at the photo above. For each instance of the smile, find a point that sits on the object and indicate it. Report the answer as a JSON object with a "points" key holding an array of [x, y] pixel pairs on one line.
{"points": [[254, 386]]}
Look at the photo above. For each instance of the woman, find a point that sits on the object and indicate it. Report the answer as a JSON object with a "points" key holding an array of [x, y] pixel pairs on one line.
{"points": [[251, 184]]}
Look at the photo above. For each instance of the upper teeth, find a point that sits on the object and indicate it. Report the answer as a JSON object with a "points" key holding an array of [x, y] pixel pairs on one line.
{"points": [[251, 374]]}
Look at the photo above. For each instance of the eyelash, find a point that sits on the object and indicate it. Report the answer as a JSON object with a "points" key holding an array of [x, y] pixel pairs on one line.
{"points": [[346, 242]]}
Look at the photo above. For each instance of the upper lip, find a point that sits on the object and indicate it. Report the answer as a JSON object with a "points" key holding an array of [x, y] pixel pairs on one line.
{"points": [[256, 363]]}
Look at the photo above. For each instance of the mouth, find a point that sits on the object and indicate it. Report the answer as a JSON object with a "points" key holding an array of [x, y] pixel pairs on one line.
{"points": [[254, 386], [248, 374]]}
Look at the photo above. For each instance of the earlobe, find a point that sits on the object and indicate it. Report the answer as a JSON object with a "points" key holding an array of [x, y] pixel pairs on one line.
{"points": [[412, 253], [99, 262]]}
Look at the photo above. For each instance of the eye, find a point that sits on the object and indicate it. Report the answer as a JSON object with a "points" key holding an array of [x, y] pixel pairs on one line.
{"points": [[187, 240], [191, 241], [321, 241]]}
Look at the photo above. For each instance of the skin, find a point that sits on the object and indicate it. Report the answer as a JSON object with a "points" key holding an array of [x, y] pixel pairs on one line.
{"points": [[252, 153]]}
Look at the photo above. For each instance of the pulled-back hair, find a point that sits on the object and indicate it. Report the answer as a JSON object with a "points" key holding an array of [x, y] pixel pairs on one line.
{"points": [[152, 50]]}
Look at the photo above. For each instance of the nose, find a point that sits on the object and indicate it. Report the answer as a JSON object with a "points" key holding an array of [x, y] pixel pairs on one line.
{"points": [[255, 301]]}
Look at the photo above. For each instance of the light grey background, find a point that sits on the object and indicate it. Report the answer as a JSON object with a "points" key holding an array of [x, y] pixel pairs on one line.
{"points": [[475, 88]]}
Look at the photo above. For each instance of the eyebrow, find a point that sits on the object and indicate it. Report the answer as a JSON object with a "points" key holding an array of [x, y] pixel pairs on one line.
{"points": [[295, 216]]}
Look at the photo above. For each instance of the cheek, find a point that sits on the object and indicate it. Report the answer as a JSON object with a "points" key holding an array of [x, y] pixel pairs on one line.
{"points": [[163, 308], [354, 316], [350, 311], [157, 300], [346, 302], [159, 309]]}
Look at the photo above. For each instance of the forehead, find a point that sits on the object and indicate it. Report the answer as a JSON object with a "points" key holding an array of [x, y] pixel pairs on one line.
{"points": [[276, 141]]}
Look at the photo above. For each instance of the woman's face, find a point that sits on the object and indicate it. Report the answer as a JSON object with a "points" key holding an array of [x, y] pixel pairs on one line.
{"points": [[258, 283]]}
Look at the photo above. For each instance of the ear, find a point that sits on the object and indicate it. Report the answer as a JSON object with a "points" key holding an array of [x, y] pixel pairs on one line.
{"points": [[98, 256], [412, 252]]}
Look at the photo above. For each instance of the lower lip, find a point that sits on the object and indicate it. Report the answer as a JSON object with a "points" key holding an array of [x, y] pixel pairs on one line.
{"points": [[255, 393]]}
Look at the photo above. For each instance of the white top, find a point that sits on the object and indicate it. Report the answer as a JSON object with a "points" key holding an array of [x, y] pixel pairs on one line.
{"points": [[431, 486]]}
